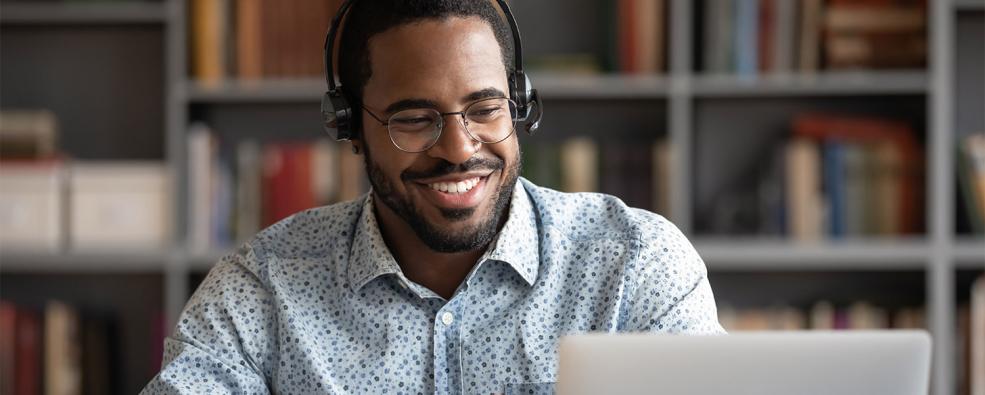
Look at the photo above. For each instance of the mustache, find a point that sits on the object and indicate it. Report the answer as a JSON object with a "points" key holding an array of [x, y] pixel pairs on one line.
{"points": [[445, 167]]}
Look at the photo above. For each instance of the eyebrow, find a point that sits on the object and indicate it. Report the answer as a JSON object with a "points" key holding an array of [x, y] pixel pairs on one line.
{"points": [[405, 104]]}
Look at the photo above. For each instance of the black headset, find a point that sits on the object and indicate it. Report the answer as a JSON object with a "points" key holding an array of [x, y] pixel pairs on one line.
{"points": [[337, 114]]}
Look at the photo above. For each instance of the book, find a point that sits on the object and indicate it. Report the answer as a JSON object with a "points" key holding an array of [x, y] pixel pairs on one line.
{"points": [[784, 37], [8, 343], [287, 181], [202, 148], [746, 44], [977, 337], [249, 51], [811, 12], [886, 176], [803, 183], [662, 171], [208, 43], [249, 190], [718, 36], [971, 178], [62, 359], [875, 34], [579, 165], [28, 353]]}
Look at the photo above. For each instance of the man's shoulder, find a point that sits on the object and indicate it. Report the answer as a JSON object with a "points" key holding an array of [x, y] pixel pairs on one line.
{"points": [[586, 215]]}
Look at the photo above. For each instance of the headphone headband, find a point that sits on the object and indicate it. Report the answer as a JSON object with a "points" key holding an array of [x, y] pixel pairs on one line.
{"points": [[337, 114]]}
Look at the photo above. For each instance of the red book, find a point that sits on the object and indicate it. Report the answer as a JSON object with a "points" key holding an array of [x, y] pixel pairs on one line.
{"points": [[855, 129], [765, 34], [28, 352], [626, 25], [287, 181], [8, 341]]}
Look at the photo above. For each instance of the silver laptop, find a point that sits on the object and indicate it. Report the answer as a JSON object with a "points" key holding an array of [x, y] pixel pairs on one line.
{"points": [[809, 362]]}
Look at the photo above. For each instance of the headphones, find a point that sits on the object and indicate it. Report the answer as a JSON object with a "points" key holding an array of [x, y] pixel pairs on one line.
{"points": [[337, 114]]}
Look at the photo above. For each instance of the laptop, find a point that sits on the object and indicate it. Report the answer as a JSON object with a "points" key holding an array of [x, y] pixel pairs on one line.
{"points": [[805, 362]]}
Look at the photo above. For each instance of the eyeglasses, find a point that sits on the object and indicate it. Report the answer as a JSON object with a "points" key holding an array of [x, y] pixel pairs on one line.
{"points": [[487, 121]]}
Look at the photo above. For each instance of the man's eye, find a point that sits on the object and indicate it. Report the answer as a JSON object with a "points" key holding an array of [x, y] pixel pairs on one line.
{"points": [[485, 112], [412, 121]]}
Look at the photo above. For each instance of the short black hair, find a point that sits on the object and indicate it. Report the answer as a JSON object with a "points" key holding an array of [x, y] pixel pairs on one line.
{"points": [[368, 18]]}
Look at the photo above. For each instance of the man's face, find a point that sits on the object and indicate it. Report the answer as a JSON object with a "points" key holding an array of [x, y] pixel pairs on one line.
{"points": [[445, 65]]}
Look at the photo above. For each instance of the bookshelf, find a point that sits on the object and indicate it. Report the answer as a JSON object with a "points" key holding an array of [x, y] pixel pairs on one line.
{"points": [[142, 53]]}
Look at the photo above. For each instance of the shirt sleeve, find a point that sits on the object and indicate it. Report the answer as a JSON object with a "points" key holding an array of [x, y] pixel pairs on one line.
{"points": [[672, 293], [221, 341]]}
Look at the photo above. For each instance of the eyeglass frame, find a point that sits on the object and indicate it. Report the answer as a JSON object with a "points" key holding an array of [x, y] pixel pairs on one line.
{"points": [[441, 117]]}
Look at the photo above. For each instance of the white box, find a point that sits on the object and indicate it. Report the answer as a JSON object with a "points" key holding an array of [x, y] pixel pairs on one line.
{"points": [[32, 206], [117, 206]]}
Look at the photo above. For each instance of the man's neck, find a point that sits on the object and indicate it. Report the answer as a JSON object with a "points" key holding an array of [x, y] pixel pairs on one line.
{"points": [[438, 271]]}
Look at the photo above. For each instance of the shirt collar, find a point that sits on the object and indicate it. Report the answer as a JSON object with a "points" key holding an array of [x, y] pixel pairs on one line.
{"points": [[516, 244]]}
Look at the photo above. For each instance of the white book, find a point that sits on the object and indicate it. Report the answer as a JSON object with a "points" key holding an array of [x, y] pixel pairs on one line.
{"points": [[200, 153], [803, 183]]}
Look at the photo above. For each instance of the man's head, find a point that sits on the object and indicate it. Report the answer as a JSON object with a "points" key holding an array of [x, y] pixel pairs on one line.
{"points": [[441, 55]]}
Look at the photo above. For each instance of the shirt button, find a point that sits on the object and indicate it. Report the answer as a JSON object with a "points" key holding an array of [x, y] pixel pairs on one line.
{"points": [[447, 318]]}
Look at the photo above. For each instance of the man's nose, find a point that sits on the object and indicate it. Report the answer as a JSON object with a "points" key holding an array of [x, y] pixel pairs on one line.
{"points": [[454, 145]]}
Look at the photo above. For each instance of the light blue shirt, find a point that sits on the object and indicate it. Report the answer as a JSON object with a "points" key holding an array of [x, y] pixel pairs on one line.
{"points": [[317, 304]]}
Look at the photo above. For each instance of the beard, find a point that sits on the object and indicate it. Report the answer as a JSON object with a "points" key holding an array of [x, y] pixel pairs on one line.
{"points": [[434, 236]]}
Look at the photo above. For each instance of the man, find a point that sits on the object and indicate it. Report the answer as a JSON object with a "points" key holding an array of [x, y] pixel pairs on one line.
{"points": [[453, 275]]}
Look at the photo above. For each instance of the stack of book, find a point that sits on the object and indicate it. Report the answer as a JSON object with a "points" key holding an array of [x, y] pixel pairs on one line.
{"points": [[837, 177], [635, 172], [823, 315], [254, 39], [63, 350], [237, 189], [50, 203], [752, 37]]}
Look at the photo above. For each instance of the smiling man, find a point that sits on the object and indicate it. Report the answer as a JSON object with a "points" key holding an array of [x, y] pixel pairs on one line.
{"points": [[453, 275]]}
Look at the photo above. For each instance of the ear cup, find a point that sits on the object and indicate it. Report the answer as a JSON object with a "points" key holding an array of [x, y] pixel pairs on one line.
{"points": [[527, 101], [336, 115]]}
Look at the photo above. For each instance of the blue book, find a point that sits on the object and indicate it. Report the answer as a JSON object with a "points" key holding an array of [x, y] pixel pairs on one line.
{"points": [[834, 187], [746, 38]]}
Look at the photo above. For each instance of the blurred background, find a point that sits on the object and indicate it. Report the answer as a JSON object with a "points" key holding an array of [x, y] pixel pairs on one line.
{"points": [[825, 157]]}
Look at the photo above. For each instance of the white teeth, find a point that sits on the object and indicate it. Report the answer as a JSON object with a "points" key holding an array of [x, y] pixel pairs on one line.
{"points": [[455, 187]]}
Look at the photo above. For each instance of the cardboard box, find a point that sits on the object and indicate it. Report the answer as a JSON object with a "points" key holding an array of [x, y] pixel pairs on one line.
{"points": [[117, 206], [32, 206]]}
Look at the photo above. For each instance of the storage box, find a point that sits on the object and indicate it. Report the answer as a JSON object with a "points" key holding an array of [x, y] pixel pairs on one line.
{"points": [[120, 206], [32, 206]]}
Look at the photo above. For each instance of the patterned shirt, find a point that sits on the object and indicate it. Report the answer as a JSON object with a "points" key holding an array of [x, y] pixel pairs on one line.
{"points": [[317, 304]]}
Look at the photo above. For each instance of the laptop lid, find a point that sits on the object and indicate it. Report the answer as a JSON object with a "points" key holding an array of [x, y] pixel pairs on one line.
{"points": [[807, 362]]}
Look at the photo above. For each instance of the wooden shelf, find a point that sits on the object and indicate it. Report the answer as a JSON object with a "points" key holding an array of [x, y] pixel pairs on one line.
{"points": [[54, 13], [859, 83], [775, 254]]}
